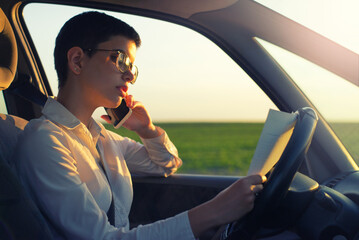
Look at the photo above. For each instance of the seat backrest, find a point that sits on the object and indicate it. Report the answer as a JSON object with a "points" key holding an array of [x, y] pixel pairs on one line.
{"points": [[10, 128], [19, 216]]}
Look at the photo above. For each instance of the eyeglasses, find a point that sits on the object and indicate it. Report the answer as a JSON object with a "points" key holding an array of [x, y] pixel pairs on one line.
{"points": [[122, 61]]}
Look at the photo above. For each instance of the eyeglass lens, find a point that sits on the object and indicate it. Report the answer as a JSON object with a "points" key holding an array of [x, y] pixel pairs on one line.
{"points": [[124, 64]]}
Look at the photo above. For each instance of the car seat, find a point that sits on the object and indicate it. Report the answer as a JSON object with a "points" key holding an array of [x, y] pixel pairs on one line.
{"points": [[19, 216]]}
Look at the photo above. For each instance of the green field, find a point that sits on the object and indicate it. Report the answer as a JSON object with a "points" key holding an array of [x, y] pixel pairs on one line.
{"points": [[210, 148], [348, 133]]}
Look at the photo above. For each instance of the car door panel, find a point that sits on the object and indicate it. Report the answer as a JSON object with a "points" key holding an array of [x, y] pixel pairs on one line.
{"points": [[158, 198]]}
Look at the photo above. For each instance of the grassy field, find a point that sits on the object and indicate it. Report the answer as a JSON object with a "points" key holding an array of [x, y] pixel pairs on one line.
{"points": [[211, 148], [348, 133]]}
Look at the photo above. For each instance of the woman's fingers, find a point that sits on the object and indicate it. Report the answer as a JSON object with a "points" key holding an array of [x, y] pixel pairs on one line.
{"points": [[106, 118], [130, 102]]}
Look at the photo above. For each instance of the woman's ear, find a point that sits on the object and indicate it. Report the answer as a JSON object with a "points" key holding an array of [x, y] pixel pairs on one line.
{"points": [[74, 58]]}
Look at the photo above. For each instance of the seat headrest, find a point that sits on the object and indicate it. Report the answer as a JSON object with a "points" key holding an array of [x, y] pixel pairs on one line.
{"points": [[8, 52]]}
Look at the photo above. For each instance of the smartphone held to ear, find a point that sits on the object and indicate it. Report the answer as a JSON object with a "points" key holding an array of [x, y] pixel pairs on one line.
{"points": [[120, 114]]}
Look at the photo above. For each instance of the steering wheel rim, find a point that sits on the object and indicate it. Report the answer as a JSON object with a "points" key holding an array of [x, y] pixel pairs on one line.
{"points": [[279, 180]]}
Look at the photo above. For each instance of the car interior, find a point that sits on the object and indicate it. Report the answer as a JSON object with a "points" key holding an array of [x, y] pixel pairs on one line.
{"points": [[312, 192]]}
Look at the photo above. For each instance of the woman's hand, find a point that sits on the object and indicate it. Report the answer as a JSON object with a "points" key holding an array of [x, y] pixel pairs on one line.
{"points": [[139, 121], [229, 205]]}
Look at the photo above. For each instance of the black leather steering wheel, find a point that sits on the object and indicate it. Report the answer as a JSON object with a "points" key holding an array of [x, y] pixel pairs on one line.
{"points": [[279, 180]]}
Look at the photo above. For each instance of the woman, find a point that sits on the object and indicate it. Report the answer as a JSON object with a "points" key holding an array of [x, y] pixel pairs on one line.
{"points": [[78, 173]]}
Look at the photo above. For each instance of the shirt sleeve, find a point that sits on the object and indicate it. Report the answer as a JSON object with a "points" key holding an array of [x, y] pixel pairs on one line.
{"points": [[174, 228], [156, 156]]}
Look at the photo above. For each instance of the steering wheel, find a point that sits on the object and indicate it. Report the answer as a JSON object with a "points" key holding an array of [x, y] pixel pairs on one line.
{"points": [[279, 180]]}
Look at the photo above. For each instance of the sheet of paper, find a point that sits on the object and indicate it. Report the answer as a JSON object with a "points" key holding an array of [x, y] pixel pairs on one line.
{"points": [[275, 135]]}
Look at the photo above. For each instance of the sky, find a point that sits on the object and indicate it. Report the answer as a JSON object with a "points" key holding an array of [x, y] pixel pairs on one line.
{"points": [[205, 84]]}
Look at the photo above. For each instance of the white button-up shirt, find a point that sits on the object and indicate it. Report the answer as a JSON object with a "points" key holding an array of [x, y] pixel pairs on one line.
{"points": [[58, 160]]}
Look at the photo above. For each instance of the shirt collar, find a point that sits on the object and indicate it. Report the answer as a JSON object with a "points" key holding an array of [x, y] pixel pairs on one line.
{"points": [[95, 130], [56, 112]]}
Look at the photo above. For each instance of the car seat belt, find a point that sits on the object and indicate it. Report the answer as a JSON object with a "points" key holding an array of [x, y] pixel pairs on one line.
{"points": [[23, 88]]}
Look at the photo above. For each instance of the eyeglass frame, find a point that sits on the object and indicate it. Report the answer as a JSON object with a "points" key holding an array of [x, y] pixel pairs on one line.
{"points": [[119, 51]]}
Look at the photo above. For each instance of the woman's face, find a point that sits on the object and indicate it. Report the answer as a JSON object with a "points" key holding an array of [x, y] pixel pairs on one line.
{"points": [[102, 82]]}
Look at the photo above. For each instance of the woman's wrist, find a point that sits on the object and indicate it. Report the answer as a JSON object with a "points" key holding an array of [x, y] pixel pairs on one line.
{"points": [[202, 218], [149, 132]]}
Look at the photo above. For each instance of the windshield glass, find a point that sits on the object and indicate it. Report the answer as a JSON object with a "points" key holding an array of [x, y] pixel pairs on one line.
{"points": [[335, 98], [336, 20]]}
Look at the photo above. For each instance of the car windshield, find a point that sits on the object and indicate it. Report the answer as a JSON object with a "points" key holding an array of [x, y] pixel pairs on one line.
{"points": [[336, 98], [336, 20]]}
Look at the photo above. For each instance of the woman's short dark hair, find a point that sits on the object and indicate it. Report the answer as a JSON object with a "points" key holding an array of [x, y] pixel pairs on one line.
{"points": [[87, 30]]}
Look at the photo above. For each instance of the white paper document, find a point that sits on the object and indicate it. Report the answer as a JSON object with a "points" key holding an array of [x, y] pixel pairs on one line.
{"points": [[275, 135]]}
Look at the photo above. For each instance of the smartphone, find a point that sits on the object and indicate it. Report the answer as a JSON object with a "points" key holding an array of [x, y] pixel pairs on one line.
{"points": [[120, 114]]}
